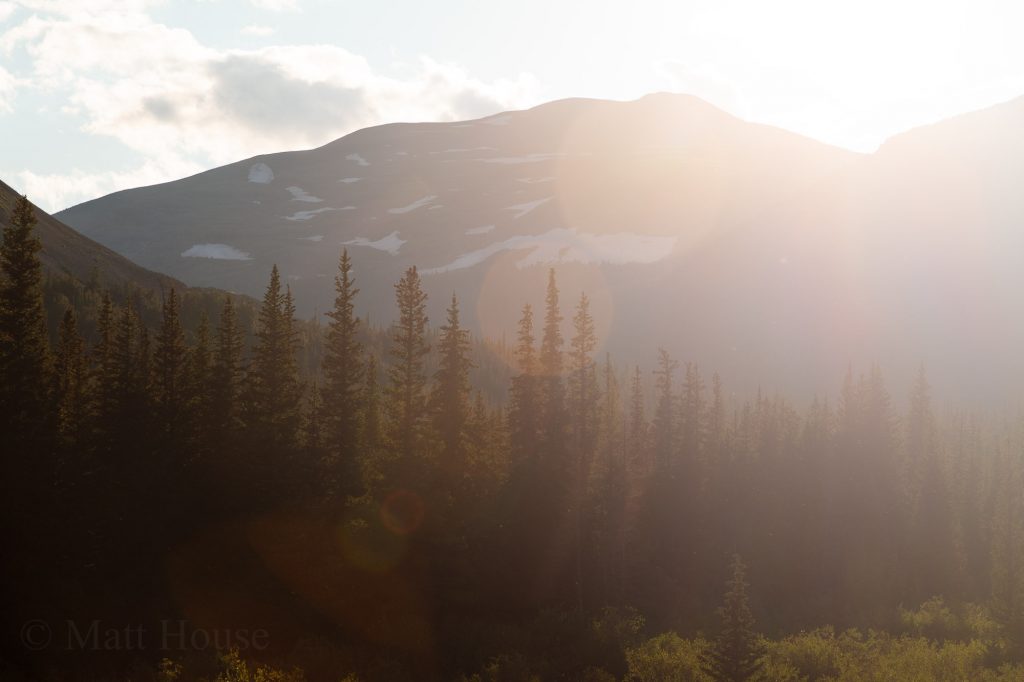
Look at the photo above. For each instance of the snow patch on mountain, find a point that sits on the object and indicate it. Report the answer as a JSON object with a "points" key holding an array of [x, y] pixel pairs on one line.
{"points": [[215, 251], [261, 174], [302, 216], [299, 194], [480, 230], [390, 244], [533, 181], [314, 238], [570, 246], [358, 159], [419, 203], [525, 208], [349, 181]]}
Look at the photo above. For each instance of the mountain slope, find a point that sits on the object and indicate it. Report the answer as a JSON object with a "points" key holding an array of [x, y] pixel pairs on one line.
{"points": [[763, 254], [69, 253], [581, 181]]}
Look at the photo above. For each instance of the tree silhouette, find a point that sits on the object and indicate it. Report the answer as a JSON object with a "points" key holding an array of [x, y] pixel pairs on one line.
{"points": [[735, 655]]}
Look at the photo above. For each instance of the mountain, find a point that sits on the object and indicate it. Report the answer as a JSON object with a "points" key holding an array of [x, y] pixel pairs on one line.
{"points": [[67, 252], [768, 256], [78, 271]]}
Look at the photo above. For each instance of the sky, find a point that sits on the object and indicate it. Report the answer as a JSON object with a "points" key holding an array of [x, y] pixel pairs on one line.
{"points": [[102, 95]]}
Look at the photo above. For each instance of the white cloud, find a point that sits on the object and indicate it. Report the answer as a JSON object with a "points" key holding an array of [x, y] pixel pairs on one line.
{"points": [[277, 5], [8, 83], [255, 30], [6, 10], [56, 191], [181, 104], [706, 82]]}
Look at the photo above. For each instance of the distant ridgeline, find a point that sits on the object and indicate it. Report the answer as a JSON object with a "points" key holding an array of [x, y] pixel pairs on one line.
{"points": [[402, 504]]}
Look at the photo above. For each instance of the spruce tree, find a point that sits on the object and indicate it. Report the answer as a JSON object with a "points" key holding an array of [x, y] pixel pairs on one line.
{"points": [[735, 655], [371, 436], [25, 363], [450, 398], [171, 374], [407, 406], [612, 420], [715, 420], [199, 388], [931, 530], [583, 393], [692, 421], [552, 390], [313, 429], [637, 428], [102, 378], [72, 382], [343, 367], [274, 390], [1007, 553], [665, 413], [226, 375], [523, 413], [583, 422]]}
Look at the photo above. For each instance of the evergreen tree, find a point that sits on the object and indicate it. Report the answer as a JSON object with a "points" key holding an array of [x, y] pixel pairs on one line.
{"points": [[72, 383], [313, 429], [664, 426], [583, 402], [735, 655], [25, 363], [523, 413], [171, 373], [450, 397], [371, 437], [692, 421], [1007, 553], [226, 376], [716, 435], [274, 390], [103, 385], [200, 389], [407, 392], [612, 421], [552, 391], [637, 428], [130, 360], [608, 498], [343, 367], [583, 393], [931, 537]]}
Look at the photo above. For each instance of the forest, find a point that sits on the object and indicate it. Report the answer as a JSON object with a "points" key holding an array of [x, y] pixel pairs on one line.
{"points": [[297, 500]]}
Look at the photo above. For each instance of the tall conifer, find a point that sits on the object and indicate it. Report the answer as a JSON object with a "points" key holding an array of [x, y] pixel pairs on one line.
{"points": [[25, 363], [407, 392], [343, 367]]}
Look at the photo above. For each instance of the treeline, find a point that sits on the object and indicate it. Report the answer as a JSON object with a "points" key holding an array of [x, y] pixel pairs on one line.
{"points": [[384, 514]]}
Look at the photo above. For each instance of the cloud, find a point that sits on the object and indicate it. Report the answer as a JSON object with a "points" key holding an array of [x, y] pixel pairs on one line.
{"points": [[180, 104], [277, 5], [56, 191], [8, 84], [256, 30], [706, 82], [6, 10]]}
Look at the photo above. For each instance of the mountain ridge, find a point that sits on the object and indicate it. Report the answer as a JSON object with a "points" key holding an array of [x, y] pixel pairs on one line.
{"points": [[821, 246]]}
